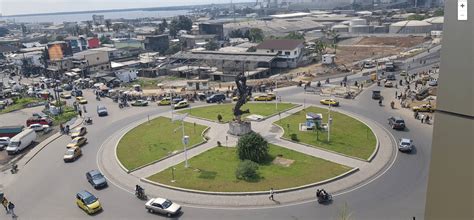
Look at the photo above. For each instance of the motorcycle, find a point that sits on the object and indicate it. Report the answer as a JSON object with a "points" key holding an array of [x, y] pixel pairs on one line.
{"points": [[323, 196], [14, 169], [140, 193], [88, 121], [97, 98]]}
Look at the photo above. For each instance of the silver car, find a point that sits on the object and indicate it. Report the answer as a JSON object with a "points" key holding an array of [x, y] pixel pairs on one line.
{"points": [[163, 206], [405, 145]]}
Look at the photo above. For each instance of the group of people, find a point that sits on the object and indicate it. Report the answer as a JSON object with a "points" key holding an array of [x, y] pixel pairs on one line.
{"points": [[64, 129], [9, 207]]}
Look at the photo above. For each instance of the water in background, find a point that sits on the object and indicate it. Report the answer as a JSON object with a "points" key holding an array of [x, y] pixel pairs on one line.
{"points": [[60, 18]]}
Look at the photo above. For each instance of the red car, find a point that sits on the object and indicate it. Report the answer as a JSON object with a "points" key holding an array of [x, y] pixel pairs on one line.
{"points": [[37, 120]]}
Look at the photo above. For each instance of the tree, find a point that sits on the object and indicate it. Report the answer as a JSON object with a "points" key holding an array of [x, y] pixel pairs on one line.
{"points": [[417, 17], [164, 23], [237, 33], [104, 40], [180, 23], [89, 24], [294, 36], [3, 31], [247, 170], [219, 117], [108, 24], [44, 58], [212, 45], [252, 146], [174, 28], [439, 12], [252, 49], [43, 40], [334, 37], [59, 38], [255, 35], [174, 48]]}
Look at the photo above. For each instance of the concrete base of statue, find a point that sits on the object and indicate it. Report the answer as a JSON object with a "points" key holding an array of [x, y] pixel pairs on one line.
{"points": [[239, 128]]}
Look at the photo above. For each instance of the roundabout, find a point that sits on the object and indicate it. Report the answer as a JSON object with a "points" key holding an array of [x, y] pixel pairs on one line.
{"points": [[209, 181]]}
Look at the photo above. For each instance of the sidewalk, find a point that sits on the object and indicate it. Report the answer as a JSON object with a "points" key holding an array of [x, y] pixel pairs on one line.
{"points": [[110, 167]]}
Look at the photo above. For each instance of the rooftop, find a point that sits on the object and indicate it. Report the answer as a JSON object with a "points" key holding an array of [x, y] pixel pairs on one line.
{"points": [[280, 44], [217, 55]]}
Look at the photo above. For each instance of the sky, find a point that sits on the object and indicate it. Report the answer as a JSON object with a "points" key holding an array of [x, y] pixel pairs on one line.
{"points": [[15, 7]]}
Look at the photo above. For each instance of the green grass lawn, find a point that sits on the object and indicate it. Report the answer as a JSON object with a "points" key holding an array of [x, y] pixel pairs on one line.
{"points": [[152, 141], [19, 103], [217, 171], [348, 135], [211, 112], [68, 114]]}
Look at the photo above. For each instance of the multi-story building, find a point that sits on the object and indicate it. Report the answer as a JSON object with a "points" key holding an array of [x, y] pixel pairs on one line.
{"points": [[212, 28], [58, 50], [288, 52], [157, 43], [93, 60], [98, 19], [77, 44]]}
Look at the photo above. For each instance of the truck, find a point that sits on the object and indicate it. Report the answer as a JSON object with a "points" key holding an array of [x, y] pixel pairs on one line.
{"points": [[21, 141], [10, 131]]}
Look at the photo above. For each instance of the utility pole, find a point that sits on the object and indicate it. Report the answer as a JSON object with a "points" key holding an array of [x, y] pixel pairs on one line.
{"points": [[185, 138]]}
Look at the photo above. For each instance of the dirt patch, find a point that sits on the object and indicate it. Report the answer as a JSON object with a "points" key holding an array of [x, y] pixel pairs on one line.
{"points": [[392, 41], [282, 161]]}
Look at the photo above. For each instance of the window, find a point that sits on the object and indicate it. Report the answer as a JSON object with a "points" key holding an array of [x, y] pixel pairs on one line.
{"points": [[273, 50], [287, 53], [296, 52]]}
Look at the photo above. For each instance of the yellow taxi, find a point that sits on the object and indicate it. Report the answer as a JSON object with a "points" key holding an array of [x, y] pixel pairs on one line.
{"points": [[65, 95], [331, 102], [81, 100], [72, 154], [262, 98], [77, 142], [423, 108], [165, 101], [88, 202], [271, 95], [79, 131]]}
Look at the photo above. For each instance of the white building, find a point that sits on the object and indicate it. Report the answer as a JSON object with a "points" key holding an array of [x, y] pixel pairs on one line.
{"points": [[98, 19], [126, 75], [288, 51], [328, 58], [195, 85]]}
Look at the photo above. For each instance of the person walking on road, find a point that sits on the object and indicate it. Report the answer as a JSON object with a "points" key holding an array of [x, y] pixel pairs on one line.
{"points": [[84, 108], [5, 205], [271, 194], [11, 207]]}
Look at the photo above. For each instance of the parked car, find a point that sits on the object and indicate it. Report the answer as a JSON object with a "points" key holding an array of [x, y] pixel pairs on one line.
{"points": [[396, 123], [215, 98], [21, 141], [140, 102], [403, 73], [162, 206], [177, 99], [182, 104], [433, 82], [423, 108], [77, 142], [72, 154], [67, 87], [331, 102], [4, 141], [79, 131], [59, 89], [236, 98], [76, 93], [40, 115], [88, 202], [271, 95], [38, 120], [36, 127], [165, 101], [391, 77], [96, 179], [405, 145], [81, 100], [65, 95], [102, 111]]}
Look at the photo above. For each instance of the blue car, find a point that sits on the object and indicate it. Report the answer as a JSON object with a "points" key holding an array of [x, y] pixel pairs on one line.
{"points": [[102, 111]]}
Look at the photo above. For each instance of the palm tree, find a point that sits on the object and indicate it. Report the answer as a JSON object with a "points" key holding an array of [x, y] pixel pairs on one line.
{"points": [[334, 37], [108, 24]]}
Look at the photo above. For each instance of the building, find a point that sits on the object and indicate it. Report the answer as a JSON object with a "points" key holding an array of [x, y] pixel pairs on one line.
{"points": [[128, 43], [93, 60], [193, 41], [328, 58], [288, 52], [216, 29], [436, 23], [196, 85], [98, 19], [93, 42], [58, 50], [126, 75], [76, 44], [157, 43], [410, 27], [113, 53]]}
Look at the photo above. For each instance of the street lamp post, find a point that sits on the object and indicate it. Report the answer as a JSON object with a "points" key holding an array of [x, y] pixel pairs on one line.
{"points": [[185, 138], [172, 175]]}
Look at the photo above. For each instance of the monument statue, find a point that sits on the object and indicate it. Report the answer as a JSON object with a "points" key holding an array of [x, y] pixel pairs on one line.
{"points": [[239, 127], [243, 91]]}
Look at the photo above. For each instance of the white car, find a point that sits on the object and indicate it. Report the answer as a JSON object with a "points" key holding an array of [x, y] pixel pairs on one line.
{"points": [[163, 206], [36, 127], [4, 141], [405, 145]]}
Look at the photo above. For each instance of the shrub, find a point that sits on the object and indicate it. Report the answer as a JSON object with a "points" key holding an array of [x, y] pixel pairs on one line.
{"points": [[294, 137], [246, 170], [219, 117], [252, 146]]}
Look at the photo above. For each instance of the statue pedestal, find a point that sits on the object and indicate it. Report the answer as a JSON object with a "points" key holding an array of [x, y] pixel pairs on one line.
{"points": [[239, 128]]}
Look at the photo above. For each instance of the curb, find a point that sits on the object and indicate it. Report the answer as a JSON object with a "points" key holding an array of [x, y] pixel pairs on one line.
{"points": [[324, 149], [252, 193], [205, 139], [263, 119], [50, 141]]}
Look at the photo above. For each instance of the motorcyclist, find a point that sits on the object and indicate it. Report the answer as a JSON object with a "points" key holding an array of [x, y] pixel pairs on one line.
{"points": [[380, 102], [138, 191], [392, 104]]}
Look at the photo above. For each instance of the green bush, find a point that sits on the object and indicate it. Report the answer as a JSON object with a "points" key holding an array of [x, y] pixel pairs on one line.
{"points": [[219, 117], [252, 146], [294, 137], [246, 170]]}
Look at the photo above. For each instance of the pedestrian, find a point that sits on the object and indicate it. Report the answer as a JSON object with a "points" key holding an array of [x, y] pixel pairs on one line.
{"points": [[11, 207], [361, 86], [80, 113], [422, 118], [84, 108], [396, 94], [61, 128], [271, 194], [5, 204]]}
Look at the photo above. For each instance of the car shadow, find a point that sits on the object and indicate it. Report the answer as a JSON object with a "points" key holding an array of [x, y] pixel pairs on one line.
{"points": [[176, 216], [325, 203], [98, 212], [413, 151]]}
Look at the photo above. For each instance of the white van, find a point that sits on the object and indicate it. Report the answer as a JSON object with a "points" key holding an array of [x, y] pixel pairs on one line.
{"points": [[21, 141]]}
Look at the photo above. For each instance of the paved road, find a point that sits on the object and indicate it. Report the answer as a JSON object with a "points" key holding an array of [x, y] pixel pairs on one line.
{"points": [[45, 188]]}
